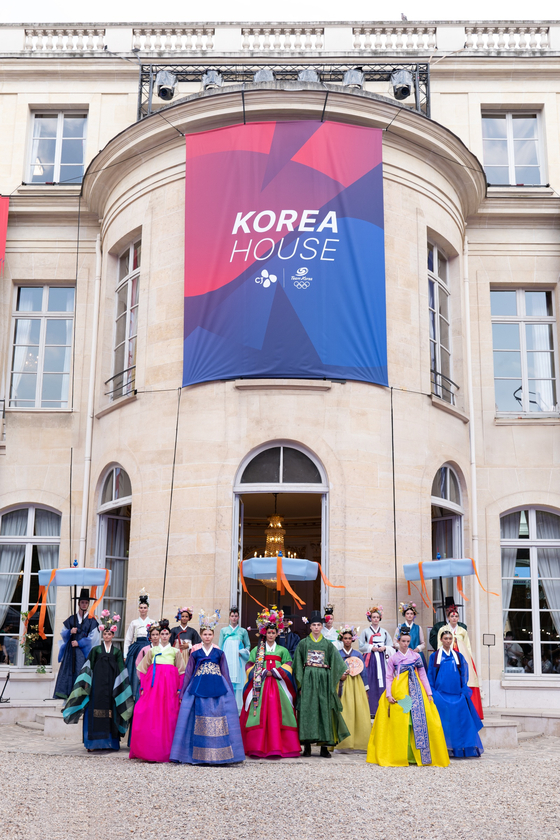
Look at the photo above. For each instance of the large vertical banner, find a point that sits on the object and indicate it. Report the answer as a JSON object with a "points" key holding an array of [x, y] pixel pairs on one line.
{"points": [[4, 205], [284, 253]]}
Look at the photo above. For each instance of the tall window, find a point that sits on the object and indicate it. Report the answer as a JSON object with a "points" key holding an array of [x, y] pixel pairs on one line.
{"points": [[523, 327], [42, 347], [57, 148], [530, 541], [126, 323], [511, 149], [113, 540], [440, 331], [29, 542], [447, 525]]}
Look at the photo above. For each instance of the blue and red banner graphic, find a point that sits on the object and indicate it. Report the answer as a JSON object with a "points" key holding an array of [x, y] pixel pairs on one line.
{"points": [[284, 253]]}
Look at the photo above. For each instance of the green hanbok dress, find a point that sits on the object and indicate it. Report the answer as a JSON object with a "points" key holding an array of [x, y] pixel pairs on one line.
{"points": [[317, 669]]}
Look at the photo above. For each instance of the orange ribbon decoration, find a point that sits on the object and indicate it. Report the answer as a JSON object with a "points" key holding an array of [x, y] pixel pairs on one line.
{"points": [[427, 602], [35, 608], [326, 581], [244, 586], [282, 583], [96, 603], [43, 613], [479, 581], [460, 588]]}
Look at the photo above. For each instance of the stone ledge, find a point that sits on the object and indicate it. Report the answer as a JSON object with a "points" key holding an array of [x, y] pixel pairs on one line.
{"points": [[531, 682], [527, 421], [450, 409], [282, 384], [116, 404]]}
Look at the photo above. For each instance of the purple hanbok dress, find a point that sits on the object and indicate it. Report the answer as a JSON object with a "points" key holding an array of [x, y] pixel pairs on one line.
{"points": [[375, 661]]}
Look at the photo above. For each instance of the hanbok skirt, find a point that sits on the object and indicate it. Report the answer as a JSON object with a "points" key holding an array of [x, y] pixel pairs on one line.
{"points": [[133, 676], [155, 714], [108, 743], [375, 672], [208, 731], [273, 731], [356, 714], [461, 724], [399, 738]]}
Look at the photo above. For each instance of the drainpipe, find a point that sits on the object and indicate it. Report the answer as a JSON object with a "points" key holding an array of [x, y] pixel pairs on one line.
{"points": [[91, 398], [472, 446]]}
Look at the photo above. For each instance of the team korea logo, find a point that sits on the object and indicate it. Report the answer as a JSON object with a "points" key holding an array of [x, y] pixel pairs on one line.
{"points": [[265, 279], [301, 281]]}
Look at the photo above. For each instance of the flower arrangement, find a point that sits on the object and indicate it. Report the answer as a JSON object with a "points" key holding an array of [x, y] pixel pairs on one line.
{"points": [[208, 621], [404, 607], [107, 622], [348, 628], [270, 618], [188, 610], [378, 608], [27, 640]]}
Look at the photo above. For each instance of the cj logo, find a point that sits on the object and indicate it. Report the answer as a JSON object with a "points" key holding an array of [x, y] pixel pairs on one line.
{"points": [[265, 279], [300, 280]]}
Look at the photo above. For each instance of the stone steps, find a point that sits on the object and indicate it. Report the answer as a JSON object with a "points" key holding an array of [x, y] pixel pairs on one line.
{"points": [[31, 724]]}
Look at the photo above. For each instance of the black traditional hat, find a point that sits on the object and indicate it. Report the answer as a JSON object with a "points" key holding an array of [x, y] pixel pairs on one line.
{"points": [[84, 595], [316, 615]]}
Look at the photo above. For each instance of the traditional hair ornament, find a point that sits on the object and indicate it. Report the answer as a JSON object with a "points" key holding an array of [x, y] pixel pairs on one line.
{"points": [[378, 608], [153, 626], [143, 597], [329, 610], [163, 624], [208, 621], [181, 610], [108, 623], [404, 607], [404, 631], [451, 608], [270, 618], [304, 619], [348, 628]]}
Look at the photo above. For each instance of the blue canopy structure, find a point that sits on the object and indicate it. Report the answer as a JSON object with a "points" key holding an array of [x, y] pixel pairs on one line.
{"points": [[439, 568], [74, 577], [265, 568]]}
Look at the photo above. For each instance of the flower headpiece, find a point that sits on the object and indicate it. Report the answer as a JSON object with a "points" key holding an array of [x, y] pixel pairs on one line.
{"points": [[153, 626], [451, 608], [270, 618], [348, 628], [208, 621], [304, 619], [376, 608], [143, 597], [404, 607], [181, 610], [108, 623]]}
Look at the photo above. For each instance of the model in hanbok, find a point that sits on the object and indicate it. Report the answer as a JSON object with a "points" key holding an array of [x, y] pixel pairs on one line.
{"points": [[102, 693], [156, 712], [234, 641], [417, 644], [462, 644], [448, 673], [137, 638], [318, 668], [329, 631], [353, 692], [376, 645], [79, 635], [208, 730], [407, 728], [183, 636], [268, 722], [288, 639]]}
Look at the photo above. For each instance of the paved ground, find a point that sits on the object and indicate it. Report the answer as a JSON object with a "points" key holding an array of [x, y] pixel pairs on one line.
{"points": [[55, 790]]}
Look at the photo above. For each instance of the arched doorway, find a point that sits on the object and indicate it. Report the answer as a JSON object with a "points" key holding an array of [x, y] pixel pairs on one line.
{"points": [[286, 481]]}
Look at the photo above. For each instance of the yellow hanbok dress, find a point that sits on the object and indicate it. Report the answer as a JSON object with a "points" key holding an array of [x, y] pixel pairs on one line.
{"points": [[400, 737]]}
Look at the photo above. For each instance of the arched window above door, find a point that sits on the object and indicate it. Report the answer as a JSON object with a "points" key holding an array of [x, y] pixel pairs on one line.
{"points": [[116, 488], [281, 465]]}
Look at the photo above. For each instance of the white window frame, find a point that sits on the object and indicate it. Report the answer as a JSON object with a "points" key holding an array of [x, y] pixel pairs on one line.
{"points": [[29, 541], [533, 544], [125, 386], [42, 316], [82, 112], [525, 112], [440, 387], [523, 319], [456, 514]]}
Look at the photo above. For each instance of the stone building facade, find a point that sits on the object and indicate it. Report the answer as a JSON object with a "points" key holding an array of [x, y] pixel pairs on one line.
{"points": [[106, 459]]}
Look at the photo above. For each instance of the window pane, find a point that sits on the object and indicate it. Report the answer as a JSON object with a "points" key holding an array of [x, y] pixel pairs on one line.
{"points": [[264, 468], [442, 267], [27, 331], [122, 484], [550, 658], [47, 524], [119, 364], [540, 364], [61, 299], [122, 298], [548, 590], [444, 332], [525, 152], [508, 394], [107, 494], [14, 524], [527, 175], [539, 336], [43, 153], [515, 654], [132, 322], [298, 468], [445, 363], [55, 387], [134, 291], [118, 532], [521, 625], [507, 363], [524, 125], [71, 174], [542, 395], [503, 303], [515, 561], [59, 331], [23, 386], [538, 303], [120, 334], [25, 359], [505, 336], [509, 526], [444, 304], [494, 126], [454, 492], [123, 264], [495, 153], [520, 597], [431, 295], [549, 621], [73, 152], [57, 359], [430, 257], [548, 527], [439, 484], [442, 536], [131, 355], [433, 325], [136, 254], [74, 126], [497, 175], [30, 299], [45, 125]]}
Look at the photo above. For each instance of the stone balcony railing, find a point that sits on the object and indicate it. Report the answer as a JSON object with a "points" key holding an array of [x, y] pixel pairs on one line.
{"points": [[313, 38]]}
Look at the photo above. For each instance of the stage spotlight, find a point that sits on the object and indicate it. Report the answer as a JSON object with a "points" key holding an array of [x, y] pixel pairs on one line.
{"points": [[212, 79], [165, 85], [402, 83], [308, 75], [353, 78], [265, 74]]}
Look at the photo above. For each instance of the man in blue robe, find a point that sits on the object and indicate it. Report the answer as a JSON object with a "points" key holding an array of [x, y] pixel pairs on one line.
{"points": [[79, 635], [448, 674]]}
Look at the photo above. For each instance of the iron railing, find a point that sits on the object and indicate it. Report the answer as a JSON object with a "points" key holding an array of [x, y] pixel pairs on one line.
{"points": [[125, 382], [443, 387], [239, 73]]}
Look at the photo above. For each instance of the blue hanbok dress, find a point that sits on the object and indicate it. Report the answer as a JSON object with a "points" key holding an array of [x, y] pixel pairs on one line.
{"points": [[448, 675], [72, 658], [208, 729]]}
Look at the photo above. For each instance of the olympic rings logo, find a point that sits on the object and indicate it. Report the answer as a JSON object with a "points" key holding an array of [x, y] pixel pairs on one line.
{"points": [[302, 284]]}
